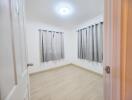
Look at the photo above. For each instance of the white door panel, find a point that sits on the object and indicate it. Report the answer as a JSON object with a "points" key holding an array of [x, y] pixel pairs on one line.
{"points": [[13, 70], [7, 72], [19, 91]]}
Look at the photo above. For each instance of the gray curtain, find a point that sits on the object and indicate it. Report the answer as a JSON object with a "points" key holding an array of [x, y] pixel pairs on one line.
{"points": [[51, 45], [84, 44], [90, 43]]}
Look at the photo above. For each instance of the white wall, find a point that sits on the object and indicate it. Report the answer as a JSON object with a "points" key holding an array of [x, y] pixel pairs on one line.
{"points": [[33, 42], [70, 46]]}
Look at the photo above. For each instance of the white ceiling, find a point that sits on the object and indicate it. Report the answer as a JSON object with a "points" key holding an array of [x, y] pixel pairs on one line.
{"points": [[44, 11]]}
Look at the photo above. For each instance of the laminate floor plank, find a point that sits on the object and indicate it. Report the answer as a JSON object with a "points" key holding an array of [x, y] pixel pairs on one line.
{"points": [[66, 83]]}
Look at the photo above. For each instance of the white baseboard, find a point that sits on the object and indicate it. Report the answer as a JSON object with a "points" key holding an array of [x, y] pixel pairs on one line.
{"points": [[95, 72], [91, 66], [48, 66]]}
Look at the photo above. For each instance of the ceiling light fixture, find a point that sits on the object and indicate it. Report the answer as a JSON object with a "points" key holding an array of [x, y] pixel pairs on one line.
{"points": [[64, 9]]}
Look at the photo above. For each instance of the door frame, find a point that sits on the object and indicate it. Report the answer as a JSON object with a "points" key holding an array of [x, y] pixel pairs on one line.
{"points": [[126, 48]]}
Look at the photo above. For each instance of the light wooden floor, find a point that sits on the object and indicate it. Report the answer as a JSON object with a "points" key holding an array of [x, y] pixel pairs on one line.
{"points": [[66, 83]]}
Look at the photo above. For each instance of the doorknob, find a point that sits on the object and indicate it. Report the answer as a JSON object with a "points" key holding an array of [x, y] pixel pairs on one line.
{"points": [[107, 69], [29, 65]]}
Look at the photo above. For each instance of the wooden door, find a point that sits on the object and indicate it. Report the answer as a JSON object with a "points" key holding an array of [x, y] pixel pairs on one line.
{"points": [[13, 66], [126, 47]]}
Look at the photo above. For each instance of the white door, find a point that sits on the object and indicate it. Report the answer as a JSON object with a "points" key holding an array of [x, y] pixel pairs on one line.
{"points": [[112, 49], [13, 66]]}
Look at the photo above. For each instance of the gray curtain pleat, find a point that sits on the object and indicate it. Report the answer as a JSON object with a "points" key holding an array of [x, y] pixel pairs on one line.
{"points": [[79, 44], [58, 46], [43, 43], [54, 45], [84, 42], [90, 47], [100, 42], [87, 44], [51, 46], [90, 43], [59, 42], [80, 37], [62, 45], [95, 43], [41, 47]]}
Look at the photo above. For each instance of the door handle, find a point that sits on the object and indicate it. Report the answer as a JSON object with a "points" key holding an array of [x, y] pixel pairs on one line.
{"points": [[107, 69], [29, 65]]}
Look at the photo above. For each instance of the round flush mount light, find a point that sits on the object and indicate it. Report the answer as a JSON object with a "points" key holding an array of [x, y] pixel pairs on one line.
{"points": [[64, 9]]}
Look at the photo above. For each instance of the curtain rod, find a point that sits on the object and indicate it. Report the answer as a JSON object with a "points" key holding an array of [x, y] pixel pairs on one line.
{"points": [[89, 26], [49, 31]]}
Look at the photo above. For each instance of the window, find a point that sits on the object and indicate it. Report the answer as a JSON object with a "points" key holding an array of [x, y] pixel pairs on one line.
{"points": [[51, 45], [90, 42]]}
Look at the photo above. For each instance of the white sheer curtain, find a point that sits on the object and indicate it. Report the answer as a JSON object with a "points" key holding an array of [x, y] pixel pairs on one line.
{"points": [[51, 45], [90, 42]]}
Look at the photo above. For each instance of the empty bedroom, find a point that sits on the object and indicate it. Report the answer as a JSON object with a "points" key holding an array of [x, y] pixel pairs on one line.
{"points": [[65, 49]]}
